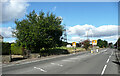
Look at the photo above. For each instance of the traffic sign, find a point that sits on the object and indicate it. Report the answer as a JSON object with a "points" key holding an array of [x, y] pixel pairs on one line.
{"points": [[74, 44], [94, 42]]}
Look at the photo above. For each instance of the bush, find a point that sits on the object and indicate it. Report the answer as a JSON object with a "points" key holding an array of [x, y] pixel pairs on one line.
{"points": [[53, 51], [6, 48], [86, 44], [16, 50]]}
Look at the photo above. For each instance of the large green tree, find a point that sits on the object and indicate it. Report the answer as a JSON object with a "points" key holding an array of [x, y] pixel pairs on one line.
{"points": [[102, 43], [39, 31], [105, 43]]}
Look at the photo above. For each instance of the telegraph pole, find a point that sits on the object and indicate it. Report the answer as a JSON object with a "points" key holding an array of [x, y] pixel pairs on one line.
{"points": [[65, 34]]}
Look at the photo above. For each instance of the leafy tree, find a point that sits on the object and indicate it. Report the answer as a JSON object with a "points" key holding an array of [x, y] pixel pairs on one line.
{"points": [[117, 44], [110, 45], [86, 44], [38, 31], [102, 43], [6, 48], [105, 43]]}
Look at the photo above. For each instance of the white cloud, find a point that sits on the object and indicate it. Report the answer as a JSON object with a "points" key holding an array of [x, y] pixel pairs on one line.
{"points": [[12, 41], [54, 8], [9, 40], [90, 30], [59, 17], [75, 38], [111, 37], [6, 32], [13, 9]]}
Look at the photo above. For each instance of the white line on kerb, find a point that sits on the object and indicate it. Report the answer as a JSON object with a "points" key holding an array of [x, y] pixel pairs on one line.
{"points": [[103, 70], [40, 69], [108, 60]]}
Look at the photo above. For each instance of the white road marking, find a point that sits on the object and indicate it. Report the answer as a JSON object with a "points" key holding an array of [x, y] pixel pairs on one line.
{"points": [[25, 63], [108, 60], [8, 65], [40, 69], [111, 53], [109, 56], [73, 58], [106, 65], [57, 64], [103, 70], [36, 61], [68, 60]]}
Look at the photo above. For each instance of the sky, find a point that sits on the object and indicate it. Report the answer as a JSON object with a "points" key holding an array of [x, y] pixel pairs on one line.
{"points": [[97, 20]]}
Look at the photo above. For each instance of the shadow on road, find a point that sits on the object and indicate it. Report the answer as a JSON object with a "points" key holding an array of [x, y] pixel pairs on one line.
{"points": [[116, 62], [17, 59]]}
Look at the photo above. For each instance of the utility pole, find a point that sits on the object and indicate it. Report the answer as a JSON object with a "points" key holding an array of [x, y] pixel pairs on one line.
{"points": [[65, 34]]}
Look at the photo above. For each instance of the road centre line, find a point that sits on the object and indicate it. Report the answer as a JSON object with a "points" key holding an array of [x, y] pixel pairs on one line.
{"points": [[108, 60], [106, 65], [111, 53], [109, 56], [103, 69]]}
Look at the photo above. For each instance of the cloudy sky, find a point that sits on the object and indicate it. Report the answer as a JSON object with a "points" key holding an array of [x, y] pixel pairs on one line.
{"points": [[97, 20]]}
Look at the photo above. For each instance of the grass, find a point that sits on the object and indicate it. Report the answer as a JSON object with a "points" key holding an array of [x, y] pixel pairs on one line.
{"points": [[71, 50], [60, 50]]}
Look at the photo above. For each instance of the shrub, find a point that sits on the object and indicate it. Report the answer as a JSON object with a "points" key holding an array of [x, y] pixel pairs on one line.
{"points": [[16, 50], [6, 48]]}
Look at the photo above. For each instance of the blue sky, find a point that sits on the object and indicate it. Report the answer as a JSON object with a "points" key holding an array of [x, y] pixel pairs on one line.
{"points": [[95, 13], [100, 17]]}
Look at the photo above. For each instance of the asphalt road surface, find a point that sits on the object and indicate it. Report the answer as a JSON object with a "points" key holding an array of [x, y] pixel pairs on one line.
{"points": [[81, 63]]}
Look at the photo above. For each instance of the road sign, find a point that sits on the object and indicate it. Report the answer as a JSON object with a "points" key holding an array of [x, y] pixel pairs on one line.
{"points": [[94, 42], [74, 44]]}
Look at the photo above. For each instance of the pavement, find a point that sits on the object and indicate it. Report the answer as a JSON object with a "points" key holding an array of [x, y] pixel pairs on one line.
{"points": [[101, 63]]}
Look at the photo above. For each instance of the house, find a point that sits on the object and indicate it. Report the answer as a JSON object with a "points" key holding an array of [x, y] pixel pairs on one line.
{"points": [[1, 38]]}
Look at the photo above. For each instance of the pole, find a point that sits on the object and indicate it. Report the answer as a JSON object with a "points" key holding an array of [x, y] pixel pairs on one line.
{"points": [[10, 56]]}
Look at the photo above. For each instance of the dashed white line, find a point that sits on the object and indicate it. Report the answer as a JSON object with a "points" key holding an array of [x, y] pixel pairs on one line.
{"points": [[112, 53], [103, 70], [73, 58], [106, 65], [109, 56], [56, 64], [40, 69], [108, 60], [68, 60]]}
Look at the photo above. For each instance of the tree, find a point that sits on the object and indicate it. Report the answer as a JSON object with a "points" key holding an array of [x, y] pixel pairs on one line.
{"points": [[111, 45], [38, 31], [86, 44], [102, 43], [117, 44], [105, 43]]}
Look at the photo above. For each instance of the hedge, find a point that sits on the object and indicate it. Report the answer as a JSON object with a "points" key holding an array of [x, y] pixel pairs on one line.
{"points": [[16, 50], [6, 48]]}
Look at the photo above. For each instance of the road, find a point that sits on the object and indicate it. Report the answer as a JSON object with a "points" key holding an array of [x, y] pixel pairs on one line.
{"points": [[81, 63]]}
